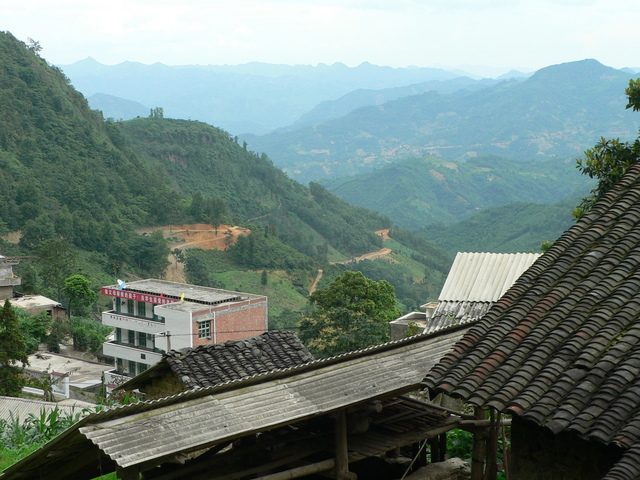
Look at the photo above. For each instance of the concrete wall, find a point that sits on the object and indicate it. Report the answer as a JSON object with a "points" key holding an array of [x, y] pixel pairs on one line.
{"points": [[537, 454]]}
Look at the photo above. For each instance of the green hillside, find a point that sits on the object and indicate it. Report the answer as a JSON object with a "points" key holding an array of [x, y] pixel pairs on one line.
{"points": [[75, 189], [419, 191], [517, 227], [557, 113]]}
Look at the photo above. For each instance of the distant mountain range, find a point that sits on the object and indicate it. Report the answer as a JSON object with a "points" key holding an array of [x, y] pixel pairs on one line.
{"points": [[250, 98], [556, 113]]}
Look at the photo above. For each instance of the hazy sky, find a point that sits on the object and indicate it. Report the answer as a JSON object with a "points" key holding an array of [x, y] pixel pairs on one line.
{"points": [[505, 34]]}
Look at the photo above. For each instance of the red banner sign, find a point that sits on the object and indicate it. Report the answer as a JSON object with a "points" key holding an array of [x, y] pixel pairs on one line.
{"points": [[140, 297]]}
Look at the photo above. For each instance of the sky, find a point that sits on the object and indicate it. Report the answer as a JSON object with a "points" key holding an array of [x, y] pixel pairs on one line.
{"points": [[486, 37]]}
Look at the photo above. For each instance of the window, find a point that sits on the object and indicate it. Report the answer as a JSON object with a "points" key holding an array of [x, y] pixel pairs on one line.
{"points": [[130, 307], [119, 365], [132, 368], [204, 329], [132, 337], [118, 305], [142, 367], [142, 339], [118, 335], [142, 309]]}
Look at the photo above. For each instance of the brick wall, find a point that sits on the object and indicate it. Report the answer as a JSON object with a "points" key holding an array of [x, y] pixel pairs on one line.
{"points": [[235, 322]]}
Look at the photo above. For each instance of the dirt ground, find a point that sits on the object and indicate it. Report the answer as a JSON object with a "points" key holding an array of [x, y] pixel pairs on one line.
{"points": [[199, 235]]}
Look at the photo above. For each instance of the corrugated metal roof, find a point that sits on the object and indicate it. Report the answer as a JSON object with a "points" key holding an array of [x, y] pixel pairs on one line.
{"points": [[484, 277], [216, 418], [12, 408], [204, 417]]}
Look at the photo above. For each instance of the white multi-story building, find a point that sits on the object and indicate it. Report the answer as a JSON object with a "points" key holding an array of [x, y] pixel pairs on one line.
{"points": [[151, 317]]}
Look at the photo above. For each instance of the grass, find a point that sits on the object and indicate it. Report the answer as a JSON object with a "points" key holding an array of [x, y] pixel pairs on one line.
{"points": [[282, 290]]}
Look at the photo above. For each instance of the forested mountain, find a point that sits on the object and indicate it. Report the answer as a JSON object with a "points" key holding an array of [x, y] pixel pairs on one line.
{"points": [[517, 227], [418, 191], [556, 113], [63, 169], [250, 98], [205, 161], [330, 109], [78, 187]]}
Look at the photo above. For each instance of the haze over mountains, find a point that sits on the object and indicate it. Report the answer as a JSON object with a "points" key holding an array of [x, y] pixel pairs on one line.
{"points": [[251, 98], [373, 135]]}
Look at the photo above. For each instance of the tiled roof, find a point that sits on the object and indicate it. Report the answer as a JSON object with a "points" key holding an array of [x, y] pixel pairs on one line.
{"points": [[209, 365], [562, 346]]}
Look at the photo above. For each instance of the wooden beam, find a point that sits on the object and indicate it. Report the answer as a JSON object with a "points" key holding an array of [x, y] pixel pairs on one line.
{"points": [[301, 471]]}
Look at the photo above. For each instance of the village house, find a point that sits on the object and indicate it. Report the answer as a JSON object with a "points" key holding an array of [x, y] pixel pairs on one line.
{"points": [[151, 317], [474, 283], [31, 303], [560, 352], [209, 365]]}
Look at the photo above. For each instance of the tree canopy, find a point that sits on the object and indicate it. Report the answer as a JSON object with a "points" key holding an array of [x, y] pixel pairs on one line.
{"points": [[609, 159], [352, 313], [13, 351]]}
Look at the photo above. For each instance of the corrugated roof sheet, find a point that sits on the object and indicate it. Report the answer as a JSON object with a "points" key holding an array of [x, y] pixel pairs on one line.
{"points": [[218, 417], [484, 277], [13, 408], [202, 417], [562, 347]]}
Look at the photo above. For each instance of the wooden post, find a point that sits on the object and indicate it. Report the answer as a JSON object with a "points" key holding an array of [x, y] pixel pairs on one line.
{"points": [[434, 449], [443, 447], [342, 451], [491, 472], [477, 454]]}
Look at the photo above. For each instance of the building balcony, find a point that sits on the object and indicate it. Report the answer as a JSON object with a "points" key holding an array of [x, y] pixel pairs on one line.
{"points": [[130, 322], [10, 282], [148, 356]]}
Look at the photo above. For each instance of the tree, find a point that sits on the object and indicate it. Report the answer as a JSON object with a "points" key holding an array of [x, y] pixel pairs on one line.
{"points": [[609, 160], [81, 298], [352, 313], [13, 350], [58, 262]]}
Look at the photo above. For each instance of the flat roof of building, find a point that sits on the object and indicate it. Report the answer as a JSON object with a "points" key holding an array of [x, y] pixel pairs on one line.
{"points": [[185, 291]]}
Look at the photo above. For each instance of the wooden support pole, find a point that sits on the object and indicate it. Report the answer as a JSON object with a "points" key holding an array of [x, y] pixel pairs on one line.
{"points": [[443, 447], [477, 453], [341, 447], [491, 471], [434, 449]]}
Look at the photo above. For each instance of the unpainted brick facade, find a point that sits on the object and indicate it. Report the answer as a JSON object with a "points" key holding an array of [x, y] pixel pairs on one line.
{"points": [[233, 321]]}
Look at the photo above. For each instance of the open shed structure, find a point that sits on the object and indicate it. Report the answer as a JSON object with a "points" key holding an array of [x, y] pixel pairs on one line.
{"points": [[317, 417]]}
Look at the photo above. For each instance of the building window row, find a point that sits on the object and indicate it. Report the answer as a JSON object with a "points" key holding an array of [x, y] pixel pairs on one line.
{"points": [[137, 339], [135, 308]]}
